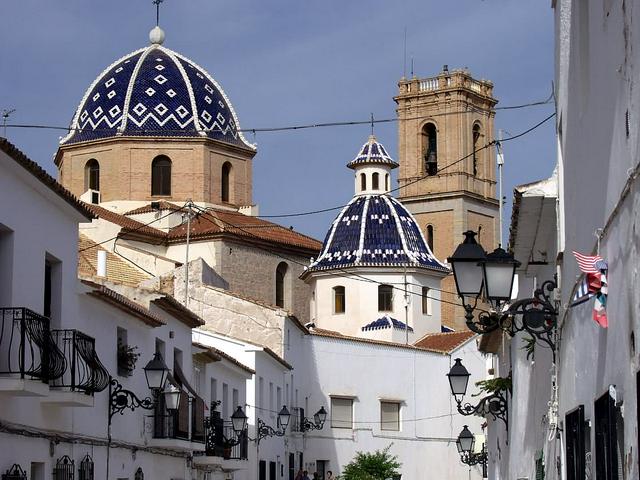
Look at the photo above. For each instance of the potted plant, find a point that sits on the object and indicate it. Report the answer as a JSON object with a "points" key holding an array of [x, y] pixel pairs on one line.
{"points": [[127, 358]]}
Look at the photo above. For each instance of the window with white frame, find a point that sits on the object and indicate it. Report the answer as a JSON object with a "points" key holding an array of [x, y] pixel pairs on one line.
{"points": [[341, 412], [426, 301], [389, 415]]}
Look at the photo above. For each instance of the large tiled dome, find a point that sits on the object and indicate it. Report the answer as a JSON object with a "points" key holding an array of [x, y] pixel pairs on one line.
{"points": [[375, 230], [155, 92]]}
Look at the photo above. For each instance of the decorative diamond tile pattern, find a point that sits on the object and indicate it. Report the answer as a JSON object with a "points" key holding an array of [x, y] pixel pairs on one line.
{"points": [[372, 152], [375, 230], [160, 103], [385, 322]]}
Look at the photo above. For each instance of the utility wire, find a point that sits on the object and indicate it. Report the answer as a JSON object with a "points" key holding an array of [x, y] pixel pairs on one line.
{"points": [[296, 127], [487, 145]]}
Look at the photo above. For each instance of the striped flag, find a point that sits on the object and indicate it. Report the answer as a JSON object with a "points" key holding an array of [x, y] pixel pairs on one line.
{"points": [[590, 263]]}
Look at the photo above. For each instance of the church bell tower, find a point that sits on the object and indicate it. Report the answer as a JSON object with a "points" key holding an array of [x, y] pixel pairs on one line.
{"points": [[447, 179]]}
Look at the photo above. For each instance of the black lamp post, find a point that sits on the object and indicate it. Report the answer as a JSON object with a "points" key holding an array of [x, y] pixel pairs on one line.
{"points": [[318, 421], [156, 373], [265, 430], [490, 277], [239, 421], [466, 443], [494, 404]]}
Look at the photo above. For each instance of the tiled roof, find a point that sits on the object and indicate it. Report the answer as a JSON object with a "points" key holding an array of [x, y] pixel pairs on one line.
{"points": [[34, 169], [162, 206], [173, 307], [385, 322], [339, 336], [130, 227], [375, 230], [123, 303], [277, 358], [155, 92], [118, 270], [226, 356], [217, 223], [444, 342], [372, 152]]}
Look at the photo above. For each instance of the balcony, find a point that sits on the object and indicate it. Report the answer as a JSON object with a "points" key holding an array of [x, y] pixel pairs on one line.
{"points": [[183, 429], [220, 446], [84, 374], [29, 357]]}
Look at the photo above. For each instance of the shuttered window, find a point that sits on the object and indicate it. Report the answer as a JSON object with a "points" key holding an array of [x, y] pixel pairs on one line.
{"points": [[341, 412], [390, 416]]}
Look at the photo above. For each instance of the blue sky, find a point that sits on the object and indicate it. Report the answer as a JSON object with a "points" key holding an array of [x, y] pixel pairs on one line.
{"points": [[286, 63]]}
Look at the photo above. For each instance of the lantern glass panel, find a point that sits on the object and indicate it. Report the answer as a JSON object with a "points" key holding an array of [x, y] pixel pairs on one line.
{"points": [[499, 281], [468, 277], [283, 417]]}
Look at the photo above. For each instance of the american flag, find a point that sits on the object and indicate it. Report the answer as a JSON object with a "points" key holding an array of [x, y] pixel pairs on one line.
{"points": [[590, 263]]}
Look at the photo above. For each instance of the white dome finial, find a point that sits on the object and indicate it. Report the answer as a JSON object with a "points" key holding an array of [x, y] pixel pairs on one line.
{"points": [[156, 36]]}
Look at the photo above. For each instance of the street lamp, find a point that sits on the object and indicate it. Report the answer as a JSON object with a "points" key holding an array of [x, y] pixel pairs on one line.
{"points": [[318, 421], [239, 421], [490, 277], [465, 443], [156, 373], [494, 404], [265, 430]]}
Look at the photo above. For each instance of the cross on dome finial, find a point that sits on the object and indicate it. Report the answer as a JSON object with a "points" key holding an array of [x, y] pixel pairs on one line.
{"points": [[156, 36], [157, 4]]}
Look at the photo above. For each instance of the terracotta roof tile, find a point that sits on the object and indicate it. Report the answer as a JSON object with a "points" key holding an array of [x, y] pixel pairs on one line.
{"points": [[444, 342], [216, 223], [130, 227], [224, 355], [34, 169], [173, 307], [118, 270], [123, 303], [163, 205]]}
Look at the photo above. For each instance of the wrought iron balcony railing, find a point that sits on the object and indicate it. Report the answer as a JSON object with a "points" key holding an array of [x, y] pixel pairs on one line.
{"points": [[175, 424], [84, 372], [27, 349], [221, 440]]}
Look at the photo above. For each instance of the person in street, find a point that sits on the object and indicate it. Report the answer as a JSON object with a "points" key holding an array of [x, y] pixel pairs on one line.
{"points": [[315, 476], [299, 476], [305, 475], [330, 475]]}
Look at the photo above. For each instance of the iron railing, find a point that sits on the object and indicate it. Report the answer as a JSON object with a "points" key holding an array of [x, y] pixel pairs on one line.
{"points": [[221, 440], [175, 424], [26, 346], [84, 373]]}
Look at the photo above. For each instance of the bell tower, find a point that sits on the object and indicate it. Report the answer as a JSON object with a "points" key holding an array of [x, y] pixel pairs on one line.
{"points": [[447, 179]]}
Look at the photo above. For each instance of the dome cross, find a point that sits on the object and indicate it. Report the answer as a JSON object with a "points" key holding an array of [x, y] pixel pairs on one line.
{"points": [[157, 4]]}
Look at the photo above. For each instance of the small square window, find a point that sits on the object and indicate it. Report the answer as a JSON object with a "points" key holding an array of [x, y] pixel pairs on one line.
{"points": [[341, 412], [390, 416]]}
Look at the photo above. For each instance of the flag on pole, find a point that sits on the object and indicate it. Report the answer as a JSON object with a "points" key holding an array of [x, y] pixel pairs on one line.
{"points": [[593, 284], [590, 263]]}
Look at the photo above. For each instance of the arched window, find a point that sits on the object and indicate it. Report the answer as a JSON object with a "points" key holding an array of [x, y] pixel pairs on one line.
{"points": [[476, 137], [430, 237], [226, 181], [338, 299], [161, 175], [92, 175], [281, 277], [385, 298], [430, 149], [375, 181], [386, 182], [363, 182]]}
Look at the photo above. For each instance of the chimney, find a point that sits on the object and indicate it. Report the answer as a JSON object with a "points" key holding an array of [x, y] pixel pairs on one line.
{"points": [[102, 263]]}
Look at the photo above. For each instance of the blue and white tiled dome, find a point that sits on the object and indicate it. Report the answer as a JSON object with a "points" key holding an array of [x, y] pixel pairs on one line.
{"points": [[155, 92], [375, 230], [372, 153]]}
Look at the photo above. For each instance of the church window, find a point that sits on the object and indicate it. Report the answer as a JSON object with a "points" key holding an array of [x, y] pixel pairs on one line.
{"points": [[92, 175], [338, 299], [390, 416], [426, 301], [161, 175], [363, 182], [341, 412], [430, 149], [476, 137], [281, 277], [226, 181], [385, 298], [430, 237], [375, 181], [386, 182]]}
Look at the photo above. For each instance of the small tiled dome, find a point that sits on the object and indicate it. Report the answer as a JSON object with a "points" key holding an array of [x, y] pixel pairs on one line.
{"points": [[372, 153], [155, 92], [375, 230]]}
